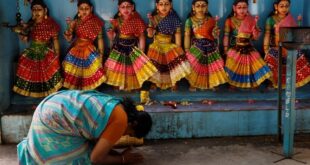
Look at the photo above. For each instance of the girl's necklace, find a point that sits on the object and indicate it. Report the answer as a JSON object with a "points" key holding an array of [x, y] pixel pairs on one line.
{"points": [[198, 22]]}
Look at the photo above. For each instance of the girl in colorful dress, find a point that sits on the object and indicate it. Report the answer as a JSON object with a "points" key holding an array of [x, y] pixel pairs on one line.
{"points": [[165, 52], [244, 65], [202, 49], [38, 71], [83, 64], [127, 67], [281, 17]]}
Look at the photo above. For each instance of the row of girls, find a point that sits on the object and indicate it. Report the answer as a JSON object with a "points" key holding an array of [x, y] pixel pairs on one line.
{"points": [[127, 67]]}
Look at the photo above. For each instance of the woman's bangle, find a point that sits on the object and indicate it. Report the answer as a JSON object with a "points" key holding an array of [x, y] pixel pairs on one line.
{"points": [[123, 159]]}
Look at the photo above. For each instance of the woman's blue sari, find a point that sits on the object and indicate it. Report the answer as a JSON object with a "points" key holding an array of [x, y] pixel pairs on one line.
{"points": [[62, 126]]}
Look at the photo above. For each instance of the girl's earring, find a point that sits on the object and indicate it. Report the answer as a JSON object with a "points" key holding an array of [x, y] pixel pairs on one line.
{"points": [[79, 15], [157, 11], [119, 14], [276, 12], [234, 13], [45, 17], [194, 12]]}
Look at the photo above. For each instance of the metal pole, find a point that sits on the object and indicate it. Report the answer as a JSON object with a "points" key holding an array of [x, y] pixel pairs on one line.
{"points": [[280, 93], [290, 113]]}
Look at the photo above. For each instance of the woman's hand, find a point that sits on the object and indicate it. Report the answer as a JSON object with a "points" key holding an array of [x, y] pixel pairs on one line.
{"points": [[111, 34], [256, 33], [150, 17], [256, 30], [68, 35], [216, 32], [150, 32], [70, 22], [128, 156], [23, 38], [299, 18], [70, 26], [113, 22]]}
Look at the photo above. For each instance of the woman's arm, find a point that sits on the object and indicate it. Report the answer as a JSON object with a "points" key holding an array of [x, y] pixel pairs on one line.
{"points": [[102, 153], [100, 44], [150, 29], [256, 33], [56, 45], [111, 31], [267, 38], [69, 32], [178, 39], [187, 35], [226, 36], [142, 42], [187, 40]]}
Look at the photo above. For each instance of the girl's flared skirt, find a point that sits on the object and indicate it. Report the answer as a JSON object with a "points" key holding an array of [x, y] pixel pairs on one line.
{"points": [[207, 65], [245, 67], [302, 68], [128, 67], [82, 67], [170, 61], [38, 72]]}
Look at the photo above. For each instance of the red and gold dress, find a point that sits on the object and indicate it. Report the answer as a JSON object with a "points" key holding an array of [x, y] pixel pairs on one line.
{"points": [[82, 65], [302, 65], [206, 62], [127, 67], [38, 70]]}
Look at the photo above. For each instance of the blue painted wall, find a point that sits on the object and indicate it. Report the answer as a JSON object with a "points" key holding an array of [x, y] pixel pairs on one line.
{"points": [[307, 13], [170, 125], [60, 9], [8, 51]]}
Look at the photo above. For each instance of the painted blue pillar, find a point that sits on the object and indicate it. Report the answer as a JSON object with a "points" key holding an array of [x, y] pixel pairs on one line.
{"points": [[290, 113]]}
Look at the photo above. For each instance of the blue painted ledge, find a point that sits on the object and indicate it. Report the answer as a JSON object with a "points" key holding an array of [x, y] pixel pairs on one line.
{"points": [[224, 118], [230, 115], [221, 94]]}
